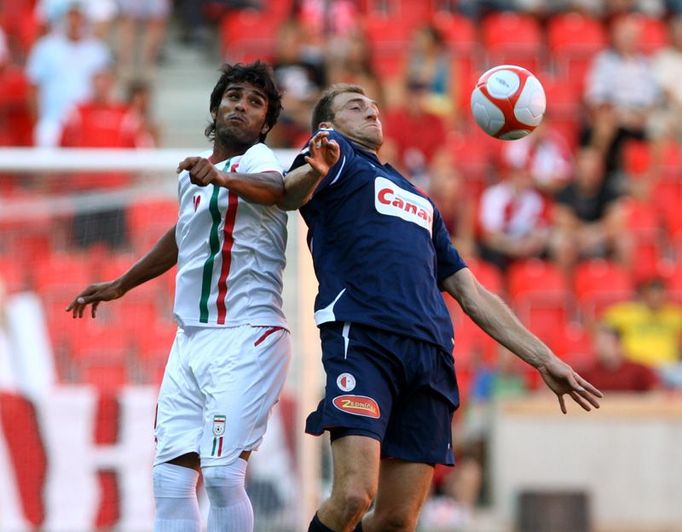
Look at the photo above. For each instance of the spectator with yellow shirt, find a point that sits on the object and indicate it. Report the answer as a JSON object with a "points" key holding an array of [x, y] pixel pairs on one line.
{"points": [[651, 326]]}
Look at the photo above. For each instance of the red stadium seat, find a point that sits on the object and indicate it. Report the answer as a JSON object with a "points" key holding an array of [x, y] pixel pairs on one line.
{"points": [[573, 40], [645, 223], [388, 38], [13, 275], [246, 35], [654, 34], [513, 38], [149, 220], [600, 283], [63, 270], [105, 375], [573, 344], [540, 295]]}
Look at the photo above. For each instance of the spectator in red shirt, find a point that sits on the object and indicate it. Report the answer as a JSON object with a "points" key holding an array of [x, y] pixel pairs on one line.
{"points": [[413, 134], [101, 122], [16, 125], [611, 371]]}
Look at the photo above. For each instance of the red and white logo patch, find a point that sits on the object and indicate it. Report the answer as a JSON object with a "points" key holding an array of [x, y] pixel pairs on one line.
{"points": [[345, 382], [358, 405], [391, 200]]}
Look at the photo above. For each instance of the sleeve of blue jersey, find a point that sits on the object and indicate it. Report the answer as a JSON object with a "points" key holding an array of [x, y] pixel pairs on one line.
{"points": [[335, 172], [448, 259]]}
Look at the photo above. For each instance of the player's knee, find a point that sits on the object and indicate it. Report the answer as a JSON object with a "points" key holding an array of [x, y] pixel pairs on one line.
{"points": [[225, 484], [353, 502], [174, 482]]}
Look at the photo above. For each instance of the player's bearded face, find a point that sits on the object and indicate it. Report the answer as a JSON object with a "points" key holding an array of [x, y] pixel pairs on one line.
{"points": [[240, 118], [357, 117]]}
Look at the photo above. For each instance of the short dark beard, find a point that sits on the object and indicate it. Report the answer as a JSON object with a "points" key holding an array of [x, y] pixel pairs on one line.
{"points": [[225, 137]]}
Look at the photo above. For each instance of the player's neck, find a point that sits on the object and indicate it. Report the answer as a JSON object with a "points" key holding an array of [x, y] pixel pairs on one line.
{"points": [[222, 152]]}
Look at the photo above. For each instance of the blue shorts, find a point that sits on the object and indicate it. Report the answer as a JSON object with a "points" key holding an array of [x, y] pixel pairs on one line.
{"points": [[396, 389]]}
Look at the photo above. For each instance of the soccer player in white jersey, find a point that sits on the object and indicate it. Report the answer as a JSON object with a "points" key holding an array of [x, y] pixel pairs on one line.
{"points": [[229, 359]]}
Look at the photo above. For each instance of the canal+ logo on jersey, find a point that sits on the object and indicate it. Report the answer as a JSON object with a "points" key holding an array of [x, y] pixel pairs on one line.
{"points": [[391, 200]]}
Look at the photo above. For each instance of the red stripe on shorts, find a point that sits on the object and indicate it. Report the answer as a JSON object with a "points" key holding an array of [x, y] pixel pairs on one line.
{"points": [[266, 334]]}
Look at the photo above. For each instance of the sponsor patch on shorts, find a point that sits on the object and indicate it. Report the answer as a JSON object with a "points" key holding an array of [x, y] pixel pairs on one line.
{"points": [[358, 405]]}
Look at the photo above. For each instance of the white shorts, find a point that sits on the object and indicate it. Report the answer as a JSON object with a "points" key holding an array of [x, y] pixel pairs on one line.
{"points": [[217, 392]]}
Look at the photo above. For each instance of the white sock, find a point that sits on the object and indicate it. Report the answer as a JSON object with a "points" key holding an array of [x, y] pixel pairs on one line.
{"points": [[230, 509], [177, 507]]}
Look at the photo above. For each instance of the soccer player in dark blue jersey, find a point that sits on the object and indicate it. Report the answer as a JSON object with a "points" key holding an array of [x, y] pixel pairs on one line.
{"points": [[382, 256]]}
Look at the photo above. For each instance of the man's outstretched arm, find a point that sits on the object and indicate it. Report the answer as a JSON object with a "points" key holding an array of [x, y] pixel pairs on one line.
{"points": [[161, 258], [492, 315], [300, 183], [265, 188]]}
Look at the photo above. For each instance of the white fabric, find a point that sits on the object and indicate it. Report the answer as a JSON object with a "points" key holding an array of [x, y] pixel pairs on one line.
{"points": [[218, 390], [63, 70], [230, 508], [177, 507], [515, 214], [255, 261]]}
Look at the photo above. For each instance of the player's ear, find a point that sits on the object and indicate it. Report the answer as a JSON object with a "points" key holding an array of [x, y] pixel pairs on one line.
{"points": [[214, 114], [324, 125], [264, 129]]}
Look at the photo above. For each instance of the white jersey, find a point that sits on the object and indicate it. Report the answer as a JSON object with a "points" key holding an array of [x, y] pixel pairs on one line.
{"points": [[230, 251]]}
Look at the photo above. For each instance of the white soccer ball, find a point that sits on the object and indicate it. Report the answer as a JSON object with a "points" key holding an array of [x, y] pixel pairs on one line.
{"points": [[508, 102]]}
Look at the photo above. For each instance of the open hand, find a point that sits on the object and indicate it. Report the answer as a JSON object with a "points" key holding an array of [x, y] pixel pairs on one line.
{"points": [[562, 379], [94, 295], [324, 153]]}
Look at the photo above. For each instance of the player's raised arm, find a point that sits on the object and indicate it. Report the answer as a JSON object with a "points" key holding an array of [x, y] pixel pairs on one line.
{"points": [[265, 188], [300, 183], [493, 316], [157, 261]]}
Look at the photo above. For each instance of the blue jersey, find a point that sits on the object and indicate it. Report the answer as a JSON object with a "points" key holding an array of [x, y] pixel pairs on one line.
{"points": [[380, 249]]}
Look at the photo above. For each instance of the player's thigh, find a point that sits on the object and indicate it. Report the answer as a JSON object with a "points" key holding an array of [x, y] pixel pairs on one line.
{"points": [[179, 410], [241, 376], [356, 461], [403, 488]]}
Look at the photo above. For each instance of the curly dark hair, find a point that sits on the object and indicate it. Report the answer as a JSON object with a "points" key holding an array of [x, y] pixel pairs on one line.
{"points": [[258, 74]]}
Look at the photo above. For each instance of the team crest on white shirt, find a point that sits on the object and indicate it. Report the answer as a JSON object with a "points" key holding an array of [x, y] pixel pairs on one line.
{"points": [[391, 200], [219, 425]]}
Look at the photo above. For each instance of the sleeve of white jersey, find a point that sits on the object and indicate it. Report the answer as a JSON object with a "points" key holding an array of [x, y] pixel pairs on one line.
{"points": [[259, 158]]}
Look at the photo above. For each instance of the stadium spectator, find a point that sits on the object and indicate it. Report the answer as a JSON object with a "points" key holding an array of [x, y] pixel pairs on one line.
{"points": [[141, 30], [382, 256], [138, 97], [349, 60], [512, 217], [650, 326], [60, 67], [412, 153], [428, 62], [229, 359], [611, 371], [545, 154], [100, 14], [588, 217], [300, 73], [15, 116], [668, 72], [101, 122], [450, 192], [621, 93]]}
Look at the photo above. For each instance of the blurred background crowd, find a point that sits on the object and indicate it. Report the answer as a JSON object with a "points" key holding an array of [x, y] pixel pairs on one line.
{"points": [[578, 226]]}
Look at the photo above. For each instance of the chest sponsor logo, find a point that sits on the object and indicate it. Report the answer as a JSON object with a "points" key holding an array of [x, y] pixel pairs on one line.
{"points": [[345, 382], [391, 200], [358, 405], [196, 200]]}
